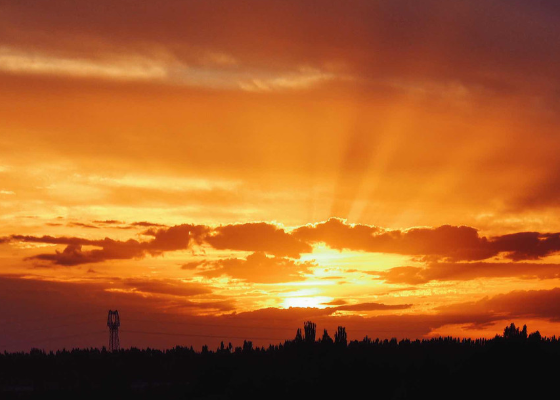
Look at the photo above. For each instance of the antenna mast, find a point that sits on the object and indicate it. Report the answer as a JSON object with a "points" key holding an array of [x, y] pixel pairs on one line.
{"points": [[113, 322]]}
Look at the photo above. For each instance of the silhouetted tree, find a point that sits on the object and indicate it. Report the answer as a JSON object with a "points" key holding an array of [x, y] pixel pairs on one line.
{"points": [[326, 338], [298, 338], [340, 336], [513, 333], [247, 346], [535, 337], [310, 329]]}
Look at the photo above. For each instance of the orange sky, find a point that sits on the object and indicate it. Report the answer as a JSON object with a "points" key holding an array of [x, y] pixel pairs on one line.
{"points": [[233, 168]]}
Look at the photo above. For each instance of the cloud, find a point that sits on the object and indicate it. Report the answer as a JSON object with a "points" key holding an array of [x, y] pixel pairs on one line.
{"points": [[443, 271], [108, 222], [471, 41], [36, 63], [146, 224], [338, 234], [540, 304], [458, 243], [171, 287], [81, 225], [455, 242], [256, 268], [527, 245], [178, 237], [192, 265], [73, 254], [448, 243], [258, 236], [337, 302], [372, 307], [159, 69]]}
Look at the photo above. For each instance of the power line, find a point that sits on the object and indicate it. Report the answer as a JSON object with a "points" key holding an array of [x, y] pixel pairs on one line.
{"points": [[261, 327], [198, 335], [212, 325], [52, 338], [281, 328], [19, 321], [55, 327]]}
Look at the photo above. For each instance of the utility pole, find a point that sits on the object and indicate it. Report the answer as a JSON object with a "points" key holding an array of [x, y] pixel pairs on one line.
{"points": [[113, 322]]}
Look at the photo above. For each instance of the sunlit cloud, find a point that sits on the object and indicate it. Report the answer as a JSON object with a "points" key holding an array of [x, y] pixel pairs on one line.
{"points": [[39, 64], [215, 70], [304, 78], [159, 182]]}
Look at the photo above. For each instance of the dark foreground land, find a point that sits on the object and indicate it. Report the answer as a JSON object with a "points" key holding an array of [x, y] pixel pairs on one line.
{"points": [[516, 365]]}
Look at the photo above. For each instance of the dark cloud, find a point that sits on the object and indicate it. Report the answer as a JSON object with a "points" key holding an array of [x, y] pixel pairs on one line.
{"points": [[192, 265], [70, 256], [338, 302], [444, 243], [145, 224], [338, 234], [178, 237], [372, 307], [81, 225], [443, 271], [527, 245], [461, 243], [258, 237], [74, 255], [458, 243], [166, 286], [539, 304], [108, 222]]}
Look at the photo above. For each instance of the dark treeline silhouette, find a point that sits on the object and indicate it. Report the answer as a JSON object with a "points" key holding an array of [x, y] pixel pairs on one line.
{"points": [[514, 364]]}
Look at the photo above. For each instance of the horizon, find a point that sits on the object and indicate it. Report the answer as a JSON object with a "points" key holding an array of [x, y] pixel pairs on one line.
{"points": [[315, 336]]}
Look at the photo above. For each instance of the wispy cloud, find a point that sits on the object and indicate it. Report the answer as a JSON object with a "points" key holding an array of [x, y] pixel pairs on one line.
{"points": [[125, 68], [212, 70]]}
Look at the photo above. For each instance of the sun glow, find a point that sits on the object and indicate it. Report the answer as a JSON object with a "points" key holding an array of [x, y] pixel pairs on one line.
{"points": [[315, 302], [349, 259]]}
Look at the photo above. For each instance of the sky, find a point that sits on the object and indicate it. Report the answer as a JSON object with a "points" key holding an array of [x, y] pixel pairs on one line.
{"points": [[226, 170]]}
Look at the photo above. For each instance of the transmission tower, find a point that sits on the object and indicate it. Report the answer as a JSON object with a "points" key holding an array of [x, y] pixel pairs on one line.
{"points": [[113, 322]]}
